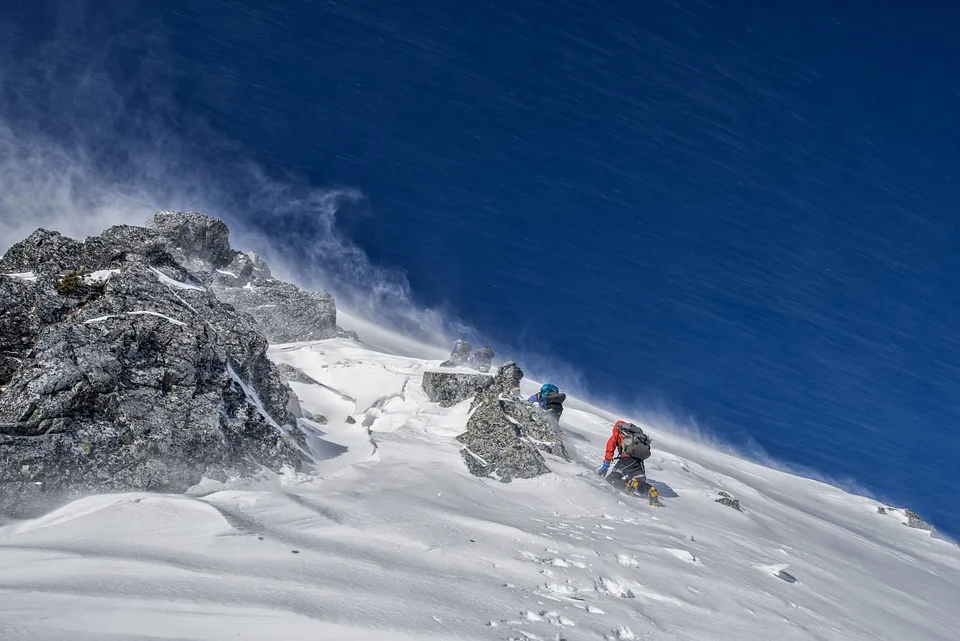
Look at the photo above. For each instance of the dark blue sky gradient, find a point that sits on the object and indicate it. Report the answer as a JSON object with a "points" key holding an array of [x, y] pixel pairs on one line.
{"points": [[746, 212]]}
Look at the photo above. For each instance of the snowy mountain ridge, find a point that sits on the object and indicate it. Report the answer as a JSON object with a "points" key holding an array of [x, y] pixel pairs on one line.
{"points": [[387, 535]]}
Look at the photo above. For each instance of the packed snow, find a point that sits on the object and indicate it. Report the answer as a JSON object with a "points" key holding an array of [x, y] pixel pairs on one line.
{"points": [[100, 276], [28, 276], [391, 538], [100, 319], [171, 282]]}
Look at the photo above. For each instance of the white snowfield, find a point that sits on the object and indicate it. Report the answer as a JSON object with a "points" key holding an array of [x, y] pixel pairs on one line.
{"points": [[393, 539]]}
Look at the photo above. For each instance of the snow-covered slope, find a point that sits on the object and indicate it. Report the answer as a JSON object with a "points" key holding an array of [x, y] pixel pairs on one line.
{"points": [[393, 539]]}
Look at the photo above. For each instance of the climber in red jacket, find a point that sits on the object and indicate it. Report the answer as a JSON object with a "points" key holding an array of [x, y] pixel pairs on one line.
{"points": [[633, 446]]}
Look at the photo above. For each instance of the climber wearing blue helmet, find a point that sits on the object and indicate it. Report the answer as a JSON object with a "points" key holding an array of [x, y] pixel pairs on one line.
{"points": [[550, 399]]}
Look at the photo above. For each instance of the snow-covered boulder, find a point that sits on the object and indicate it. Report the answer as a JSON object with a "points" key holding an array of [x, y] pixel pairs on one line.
{"points": [[450, 388], [505, 433], [133, 376]]}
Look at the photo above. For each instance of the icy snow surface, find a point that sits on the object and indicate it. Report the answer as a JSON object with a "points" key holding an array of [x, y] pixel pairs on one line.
{"points": [[100, 275], [29, 276], [393, 539], [100, 319], [170, 282]]}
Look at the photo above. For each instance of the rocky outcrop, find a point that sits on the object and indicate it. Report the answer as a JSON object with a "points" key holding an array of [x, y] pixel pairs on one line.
{"points": [[480, 360], [915, 521], [494, 446], [200, 245], [450, 388], [284, 312], [505, 434], [121, 369], [506, 385], [536, 426]]}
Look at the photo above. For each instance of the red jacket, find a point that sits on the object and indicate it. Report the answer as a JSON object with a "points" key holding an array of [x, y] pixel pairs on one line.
{"points": [[614, 443]]}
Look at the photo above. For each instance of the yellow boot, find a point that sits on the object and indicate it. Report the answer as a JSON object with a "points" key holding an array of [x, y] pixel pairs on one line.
{"points": [[654, 496]]}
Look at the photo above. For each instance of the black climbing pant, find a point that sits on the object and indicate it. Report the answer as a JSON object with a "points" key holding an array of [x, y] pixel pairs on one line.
{"points": [[626, 469]]}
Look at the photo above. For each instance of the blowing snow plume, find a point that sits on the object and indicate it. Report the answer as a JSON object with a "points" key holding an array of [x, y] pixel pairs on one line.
{"points": [[91, 135]]}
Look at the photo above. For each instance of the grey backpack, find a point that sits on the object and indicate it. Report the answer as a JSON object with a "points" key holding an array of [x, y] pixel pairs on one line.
{"points": [[635, 444]]}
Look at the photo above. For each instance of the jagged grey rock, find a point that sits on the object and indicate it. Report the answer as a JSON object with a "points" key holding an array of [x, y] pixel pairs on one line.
{"points": [[196, 241], [494, 446], [505, 383], [915, 521], [450, 388], [284, 312], [505, 433], [535, 424], [136, 378], [201, 245]]}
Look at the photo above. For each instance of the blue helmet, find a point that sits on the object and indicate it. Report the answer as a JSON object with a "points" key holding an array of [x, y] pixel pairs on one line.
{"points": [[548, 387]]}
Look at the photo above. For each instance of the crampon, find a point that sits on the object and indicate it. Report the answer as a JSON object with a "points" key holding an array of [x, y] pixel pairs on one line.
{"points": [[652, 494]]}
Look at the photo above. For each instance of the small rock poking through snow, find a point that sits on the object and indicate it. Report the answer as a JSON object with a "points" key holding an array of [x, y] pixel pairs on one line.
{"points": [[729, 501]]}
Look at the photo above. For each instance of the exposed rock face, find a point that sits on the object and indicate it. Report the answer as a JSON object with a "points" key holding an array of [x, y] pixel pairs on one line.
{"points": [[134, 377], [201, 245], [196, 241], [505, 382], [537, 427], [915, 521], [494, 446], [449, 388], [284, 312], [505, 433]]}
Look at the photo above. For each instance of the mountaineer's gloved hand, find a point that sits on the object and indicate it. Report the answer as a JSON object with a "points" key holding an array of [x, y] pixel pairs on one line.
{"points": [[603, 468]]}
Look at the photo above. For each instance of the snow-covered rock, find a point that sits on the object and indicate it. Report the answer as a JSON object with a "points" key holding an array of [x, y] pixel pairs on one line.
{"points": [[494, 446], [450, 388], [198, 244], [134, 378], [284, 312], [505, 433]]}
